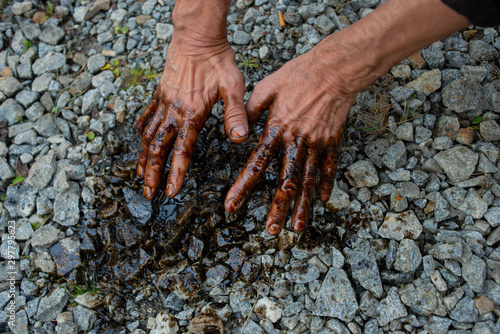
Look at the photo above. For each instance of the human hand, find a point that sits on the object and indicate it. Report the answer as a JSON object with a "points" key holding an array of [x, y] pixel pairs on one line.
{"points": [[199, 71], [307, 115]]}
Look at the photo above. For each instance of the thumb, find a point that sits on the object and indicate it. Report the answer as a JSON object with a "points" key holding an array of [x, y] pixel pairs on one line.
{"points": [[235, 118], [260, 101]]}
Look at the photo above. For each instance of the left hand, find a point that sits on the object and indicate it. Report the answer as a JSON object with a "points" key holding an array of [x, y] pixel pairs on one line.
{"points": [[308, 112]]}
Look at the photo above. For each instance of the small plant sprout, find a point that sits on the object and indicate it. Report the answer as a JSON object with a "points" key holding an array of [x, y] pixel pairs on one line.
{"points": [[249, 63], [121, 30], [18, 179], [90, 135]]}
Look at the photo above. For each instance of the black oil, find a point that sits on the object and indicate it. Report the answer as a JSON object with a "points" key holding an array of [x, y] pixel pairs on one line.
{"points": [[137, 252]]}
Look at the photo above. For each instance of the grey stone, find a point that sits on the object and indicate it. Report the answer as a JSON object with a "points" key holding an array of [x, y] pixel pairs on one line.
{"points": [[51, 305], [473, 205], [401, 94], [21, 321], [336, 297], [303, 273], [268, 309], [52, 35], [458, 162], [362, 174], [27, 98], [482, 51], [311, 10], [42, 171], [408, 256], [11, 111], [24, 230], [478, 73], [405, 131], [474, 273], [95, 63], [395, 156], [492, 291], [422, 134], [397, 226], [438, 324], [490, 130], [66, 206], [442, 143], [27, 137], [427, 83], [433, 56], [375, 151], [364, 267], [338, 200], [251, 15], [45, 126], [20, 200], [324, 25], [42, 82], [398, 201], [241, 37], [241, 298], [43, 262], [422, 300], [447, 126], [19, 8], [252, 328], [10, 86], [6, 172], [465, 311], [452, 249], [51, 62], [118, 15], [90, 100], [463, 94], [492, 216], [31, 31], [46, 236], [484, 328], [390, 308], [164, 31], [401, 71]]}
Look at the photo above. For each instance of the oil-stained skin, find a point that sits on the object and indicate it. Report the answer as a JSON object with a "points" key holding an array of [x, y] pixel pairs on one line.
{"points": [[198, 72], [307, 116]]}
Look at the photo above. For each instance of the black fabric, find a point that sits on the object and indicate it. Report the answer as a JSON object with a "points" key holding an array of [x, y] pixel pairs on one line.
{"points": [[484, 13]]}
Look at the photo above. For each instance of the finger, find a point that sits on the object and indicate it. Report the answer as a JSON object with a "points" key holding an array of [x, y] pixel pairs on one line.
{"points": [[235, 118], [287, 188], [302, 207], [328, 171], [143, 158], [256, 165], [146, 116], [260, 100], [154, 123], [158, 152], [182, 152]]}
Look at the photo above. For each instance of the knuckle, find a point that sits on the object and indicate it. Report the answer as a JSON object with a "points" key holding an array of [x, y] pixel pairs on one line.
{"points": [[288, 188]]}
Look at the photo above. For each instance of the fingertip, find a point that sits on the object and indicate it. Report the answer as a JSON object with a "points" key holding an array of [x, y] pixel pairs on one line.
{"points": [[273, 229], [299, 226], [238, 134], [147, 192], [170, 190], [140, 170]]}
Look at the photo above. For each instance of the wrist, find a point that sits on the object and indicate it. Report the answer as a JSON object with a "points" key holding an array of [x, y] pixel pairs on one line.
{"points": [[202, 18]]}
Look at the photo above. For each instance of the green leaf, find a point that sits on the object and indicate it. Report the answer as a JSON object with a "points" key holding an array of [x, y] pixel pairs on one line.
{"points": [[36, 226], [27, 44], [90, 135], [116, 62], [116, 72], [17, 180], [477, 120], [2, 198], [124, 30], [117, 29]]}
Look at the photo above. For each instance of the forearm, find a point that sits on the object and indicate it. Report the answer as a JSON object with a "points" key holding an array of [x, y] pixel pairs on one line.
{"points": [[369, 48], [205, 18]]}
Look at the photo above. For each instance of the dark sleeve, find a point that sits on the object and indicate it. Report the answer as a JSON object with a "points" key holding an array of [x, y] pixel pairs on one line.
{"points": [[484, 13]]}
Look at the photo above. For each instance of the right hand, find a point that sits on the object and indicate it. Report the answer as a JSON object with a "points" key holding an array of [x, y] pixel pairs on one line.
{"points": [[199, 71]]}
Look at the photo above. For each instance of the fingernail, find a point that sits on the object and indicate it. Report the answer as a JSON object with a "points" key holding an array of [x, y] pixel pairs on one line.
{"points": [[274, 229], [147, 192], [299, 226], [238, 131], [170, 189], [233, 205], [140, 170]]}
